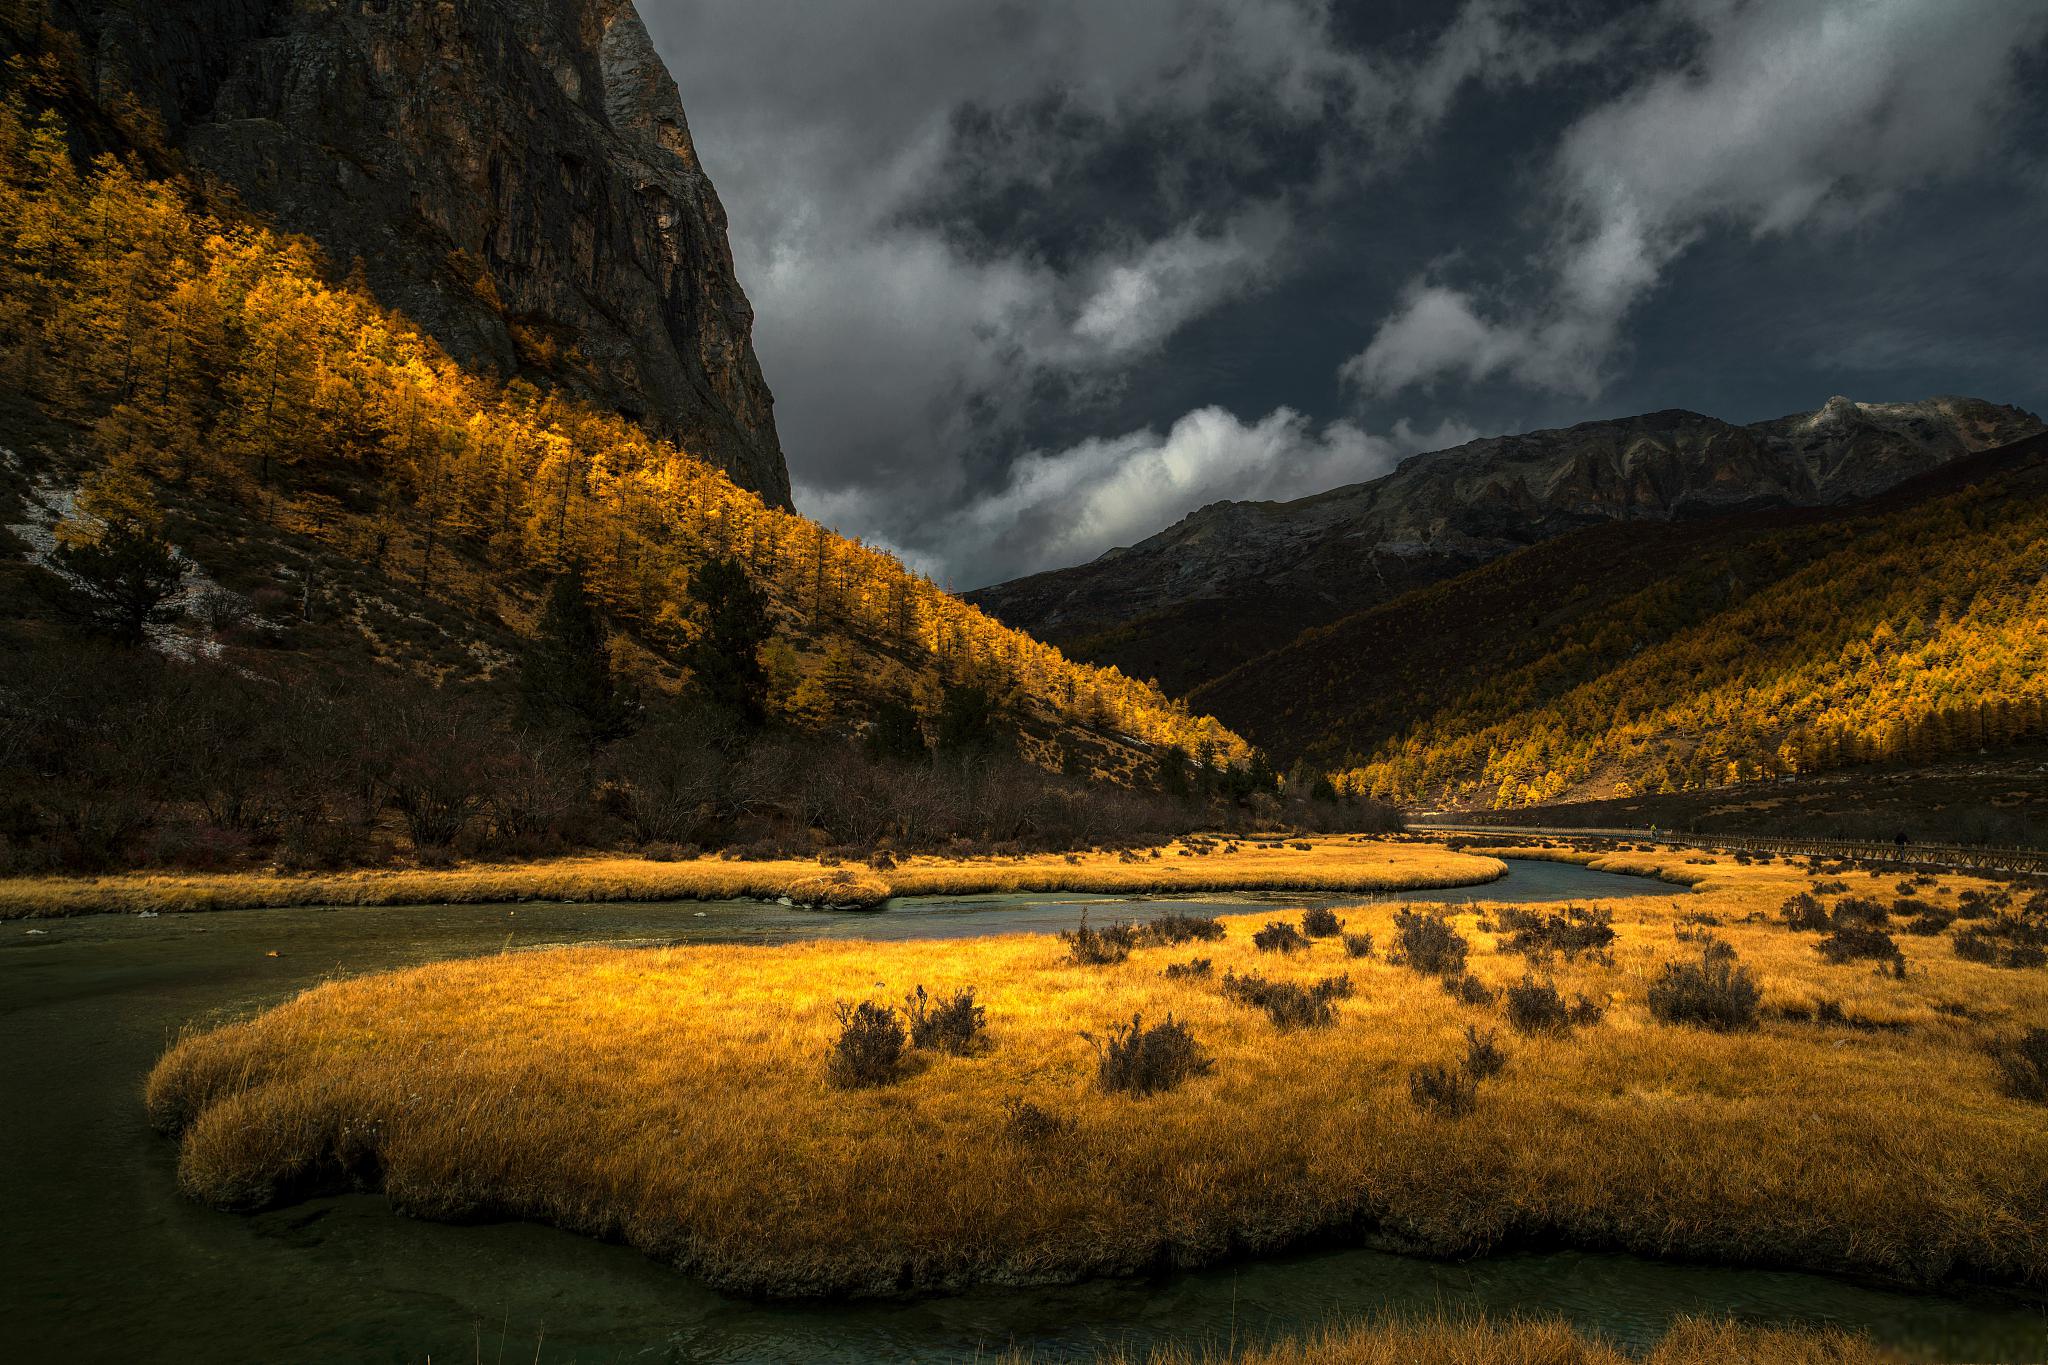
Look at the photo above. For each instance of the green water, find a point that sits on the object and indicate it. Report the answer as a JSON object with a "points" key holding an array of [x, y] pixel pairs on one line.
{"points": [[101, 1260]]}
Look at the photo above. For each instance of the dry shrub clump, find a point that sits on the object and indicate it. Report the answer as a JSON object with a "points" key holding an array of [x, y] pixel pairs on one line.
{"points": [[1851, 942], [1033, 1125], [1451, 1090], [1428, 943], [1279, 937], [1099, 947], [1715, 992], [1358, 945], [1320, 921], [1536, 1007], [1468, 989], [1484, 1057], [952, 1024], [1448, 1092], [1170, 931], [1574, 930], [1194, 969], [2023, 1065], [868, 1048], [1136, 1060], [2005, 941], [1921, 917], [1805, 913], [1288, 1004]]}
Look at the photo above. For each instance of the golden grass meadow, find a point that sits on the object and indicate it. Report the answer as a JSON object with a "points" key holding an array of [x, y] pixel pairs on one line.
{"points": [[1337, 864], [1690, 1341], [677, 1100]]}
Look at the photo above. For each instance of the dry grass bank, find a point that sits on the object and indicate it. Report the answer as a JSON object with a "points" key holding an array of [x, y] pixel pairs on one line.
{"points": [[676, 1100], [1328, 863], [1691, 1341]]}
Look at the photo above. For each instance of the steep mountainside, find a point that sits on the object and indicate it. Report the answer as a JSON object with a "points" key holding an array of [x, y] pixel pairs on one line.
{"points": [[516, 176], [1235, 579], [1629, 659], [171, 370]]}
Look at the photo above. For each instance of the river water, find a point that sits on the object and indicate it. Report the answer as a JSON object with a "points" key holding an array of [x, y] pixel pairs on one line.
{"points": [[100, 1259]]}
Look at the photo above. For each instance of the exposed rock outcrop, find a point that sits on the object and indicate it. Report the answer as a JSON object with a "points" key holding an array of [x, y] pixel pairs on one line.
{"points": [[1236, 579], [516, 175]]}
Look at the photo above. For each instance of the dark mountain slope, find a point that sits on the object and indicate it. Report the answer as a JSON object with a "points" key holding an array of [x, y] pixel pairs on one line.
{"points": [[516, 176], [1234, 580], [1637, 658]]}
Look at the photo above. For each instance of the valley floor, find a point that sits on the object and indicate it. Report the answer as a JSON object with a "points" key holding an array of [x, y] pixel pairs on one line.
{"points": [[1319, 863], [678, 1100], [1690, 1342]]}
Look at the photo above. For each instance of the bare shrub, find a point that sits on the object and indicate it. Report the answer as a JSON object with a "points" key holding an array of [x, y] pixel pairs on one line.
{"points": [[1536, 1007], [1177, 928], [1574, 930], [2023, 1065], [1858, 943], [1135, 1060], [1713, 993], [1288, 1004], [1358, 945], [1921, 917], [1861, 912], [1279, 937], [952, 1024], [1319, 921], [1484, 1057], [1193, 969], [1448, 1092], [1428, 943], [1033, 1125], [1099, 947], [1468, 989], [1805, 913], [2003, 942], [869, 1046]]}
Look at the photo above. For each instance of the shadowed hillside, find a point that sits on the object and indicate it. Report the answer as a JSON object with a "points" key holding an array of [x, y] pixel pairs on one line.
{"points": [[1237, 579], [1629, 659]]}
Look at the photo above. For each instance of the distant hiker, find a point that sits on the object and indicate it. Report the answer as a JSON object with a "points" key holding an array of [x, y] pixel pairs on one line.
{"points": [[1899, 841]]}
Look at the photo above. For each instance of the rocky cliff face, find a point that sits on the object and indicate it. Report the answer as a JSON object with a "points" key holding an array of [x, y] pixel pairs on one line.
{"points": [[1234, 580], [516, 175]]}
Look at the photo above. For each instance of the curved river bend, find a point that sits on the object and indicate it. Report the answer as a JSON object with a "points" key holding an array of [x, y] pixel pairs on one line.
{"points": [[101, 1259]]}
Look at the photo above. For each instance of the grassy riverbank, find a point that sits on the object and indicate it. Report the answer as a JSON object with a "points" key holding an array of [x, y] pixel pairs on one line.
{"points": [[677, 1100], [1691, 1341], [1336, 864]]}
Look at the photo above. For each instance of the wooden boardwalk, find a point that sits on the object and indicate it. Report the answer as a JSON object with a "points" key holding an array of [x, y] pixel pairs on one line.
{"points": [[1961, 857]]}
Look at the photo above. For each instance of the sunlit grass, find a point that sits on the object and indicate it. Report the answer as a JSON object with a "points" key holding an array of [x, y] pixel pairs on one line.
{"points": [[1476, 1341], [1338, 864], [676, 1099]]}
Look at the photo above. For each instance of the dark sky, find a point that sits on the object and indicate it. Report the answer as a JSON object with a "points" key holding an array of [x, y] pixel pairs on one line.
{"points": [[1038, 277]]}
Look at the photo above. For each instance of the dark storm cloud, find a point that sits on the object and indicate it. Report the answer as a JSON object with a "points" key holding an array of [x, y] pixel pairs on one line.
{"points": [[1036, 279]]}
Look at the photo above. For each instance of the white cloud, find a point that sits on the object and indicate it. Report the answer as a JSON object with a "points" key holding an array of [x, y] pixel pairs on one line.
{"points": [[906, 354], [1794, 115]]}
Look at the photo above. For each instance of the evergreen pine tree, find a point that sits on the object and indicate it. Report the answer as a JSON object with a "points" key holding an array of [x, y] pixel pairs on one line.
{"points": [[725, 657], [566, 674]]}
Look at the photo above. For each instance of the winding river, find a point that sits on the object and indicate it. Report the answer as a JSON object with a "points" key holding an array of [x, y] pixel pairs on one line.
{"points": [[101, 1259]]}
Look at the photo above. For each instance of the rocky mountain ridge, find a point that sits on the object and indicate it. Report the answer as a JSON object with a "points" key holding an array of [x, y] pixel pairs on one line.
{"points": [[1236, 579], [515, 175]]}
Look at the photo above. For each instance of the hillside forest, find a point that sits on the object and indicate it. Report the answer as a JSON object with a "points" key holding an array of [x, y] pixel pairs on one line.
{"points": [[526, 619], [1639, 660]]}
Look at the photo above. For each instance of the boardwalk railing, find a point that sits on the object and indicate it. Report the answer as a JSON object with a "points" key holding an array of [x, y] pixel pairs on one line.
{"points": [[1971, 857]]}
